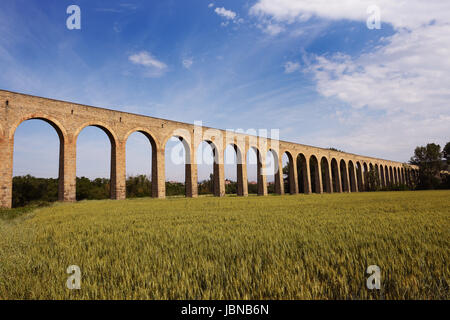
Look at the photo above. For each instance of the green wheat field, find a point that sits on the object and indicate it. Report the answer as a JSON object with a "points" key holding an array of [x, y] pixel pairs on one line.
{"points": [[275, 247]]}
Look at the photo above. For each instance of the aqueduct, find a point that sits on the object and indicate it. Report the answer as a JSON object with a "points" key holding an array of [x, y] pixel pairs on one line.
{"points": [[311, 169]]}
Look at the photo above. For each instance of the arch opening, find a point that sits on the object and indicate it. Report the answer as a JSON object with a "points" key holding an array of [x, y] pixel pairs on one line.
{"points": [[359, 176], [38, 164], [141, 166], [206, 161], [326, 177], [289, 175], [177, 167], [95, 180], [233, 170], [344, 176], [302, 174], [351, 172], [335, 176], [315, 175], [272, 172], [256, 181]]}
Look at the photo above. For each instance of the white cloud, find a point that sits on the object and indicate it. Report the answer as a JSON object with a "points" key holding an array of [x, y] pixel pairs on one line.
{"points": [[227, 14], [272, 29], [409, 13], [147, 59], [410, 72], [187, 62], [210, 5], [290, 67], [152, 67], [397, 95]]}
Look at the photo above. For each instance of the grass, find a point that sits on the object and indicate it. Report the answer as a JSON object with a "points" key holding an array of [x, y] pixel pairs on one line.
{"points": [[276, 247]]}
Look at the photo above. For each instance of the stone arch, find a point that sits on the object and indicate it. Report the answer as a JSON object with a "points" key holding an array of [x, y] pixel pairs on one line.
{"points": [[218, 174], [117, 171], [63, 191], [344, 176], [62, 132], [337, 187], [190, 170], [150, 136], [316, 185], [326, 175], [184, 136], [155, 159], [352, 175]]}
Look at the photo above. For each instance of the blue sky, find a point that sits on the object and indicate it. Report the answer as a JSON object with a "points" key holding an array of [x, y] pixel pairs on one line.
{"points": [[311, 69]]}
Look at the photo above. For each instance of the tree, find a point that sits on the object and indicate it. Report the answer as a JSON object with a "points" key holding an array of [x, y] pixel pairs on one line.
{"points": [[373, 180], [334, 149], [429, 161], [446, 152]]}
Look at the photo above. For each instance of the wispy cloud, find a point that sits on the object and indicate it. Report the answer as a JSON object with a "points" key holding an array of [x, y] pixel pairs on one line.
{"points": [[154, 67], [227, 14], [399, 89], [187, 62], [290, 67]]}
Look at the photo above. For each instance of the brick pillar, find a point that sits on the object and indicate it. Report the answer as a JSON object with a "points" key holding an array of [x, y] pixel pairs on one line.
{"points": [[6, 171], [118, 171], [261, 178], [379, 177], [318, 178], [293, 177], [349, 187], [330, 177], [345, 186], [218, 173], [363, 186], [242, 183], [307, 178], [191, 183], [338, 180], [67, 179], [279, 183], [355, 179], [158, 173]]}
